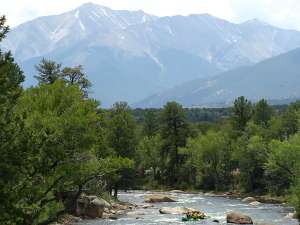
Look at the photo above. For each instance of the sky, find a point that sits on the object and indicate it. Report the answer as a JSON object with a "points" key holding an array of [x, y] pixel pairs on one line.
{"points": [[281, 13]]}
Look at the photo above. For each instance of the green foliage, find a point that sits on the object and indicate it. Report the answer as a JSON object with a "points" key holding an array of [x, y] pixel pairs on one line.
{"points": [[174, 132], [121, 133], [148, 154], [242, 113], [251, 155], [262, 113], [75, 75], [3, 28], [119, 173], [150, 125], [48, 71], [208, 160], [52, 152], [121, 139], [283, 164]]}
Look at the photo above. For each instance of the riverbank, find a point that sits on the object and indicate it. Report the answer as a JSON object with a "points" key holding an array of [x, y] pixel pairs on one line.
{"points": [[215, 205]]}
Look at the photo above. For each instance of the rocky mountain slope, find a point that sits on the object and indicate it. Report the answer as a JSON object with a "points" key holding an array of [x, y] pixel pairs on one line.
{"points": [[129, 55]]}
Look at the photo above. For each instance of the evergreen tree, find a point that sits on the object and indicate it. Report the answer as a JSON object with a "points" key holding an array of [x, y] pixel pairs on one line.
{"points": [[262, 113], [48, 71], [150, 126], [122, 140], [3, 28], [242, 112], [174, 133], [122, 130], [11, 78], [75, 75], [52, 154]]}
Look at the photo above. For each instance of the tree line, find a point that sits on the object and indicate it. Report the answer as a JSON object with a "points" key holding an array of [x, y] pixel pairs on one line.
{"points": [[57, 142]]}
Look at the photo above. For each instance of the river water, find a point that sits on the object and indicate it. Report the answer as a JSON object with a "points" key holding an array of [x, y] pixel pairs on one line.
{"points": [[213, 206]]}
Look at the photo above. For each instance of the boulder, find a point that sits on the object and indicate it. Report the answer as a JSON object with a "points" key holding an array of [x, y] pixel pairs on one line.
{"points": [[249, 199], [175, 210], [90, 206], [264, 224], [158, 198], [291, 215], [255, 203], [238, 218], [146, 206], [136, 213], [177, 191]]}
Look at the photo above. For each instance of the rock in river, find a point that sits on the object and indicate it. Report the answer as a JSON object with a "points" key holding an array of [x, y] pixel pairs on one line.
{"points": [[175, 210], [249, 199], [158, 198], [238, 218], [90, 206]]}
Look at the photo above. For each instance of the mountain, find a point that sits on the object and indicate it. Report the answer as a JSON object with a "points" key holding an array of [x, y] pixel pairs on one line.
{"points": [[276, 79], [129, 55]]}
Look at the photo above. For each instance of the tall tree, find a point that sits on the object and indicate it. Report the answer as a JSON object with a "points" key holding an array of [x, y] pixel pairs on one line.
{"points": [[242, 112], [53, 153], [3, 27], [208, 160], [75, 75], [262, 113], [122, 140], [121, 133], [48, 71], [150, 126], [174, 133], [11, 78]]}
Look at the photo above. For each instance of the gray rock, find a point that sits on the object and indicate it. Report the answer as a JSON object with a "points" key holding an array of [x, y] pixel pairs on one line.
{"points": [[175, 210], [249, 199], [158, 198], [90, 206], [238, 218]]}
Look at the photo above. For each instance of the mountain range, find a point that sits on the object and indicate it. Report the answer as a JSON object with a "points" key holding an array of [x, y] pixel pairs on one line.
{"points": [[130, 55], [276, 79]]}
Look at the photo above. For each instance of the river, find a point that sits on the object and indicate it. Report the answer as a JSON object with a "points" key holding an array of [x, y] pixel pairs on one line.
{"points": [[213, 206]]}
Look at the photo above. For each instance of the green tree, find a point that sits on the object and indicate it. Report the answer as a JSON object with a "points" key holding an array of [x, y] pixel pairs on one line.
{"points": [[148, 154], [122, 130], [48, 71], [3, 28], [75, 75], [252, 154], [242, 112], [150, 126], [52, 153], [118, 172], [208, 159], [121, 138], [174, 132], [262, 113], [283, 164], [11, 78]]}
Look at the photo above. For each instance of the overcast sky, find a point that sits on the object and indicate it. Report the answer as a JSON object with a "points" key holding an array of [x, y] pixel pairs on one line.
{"points": [[282, 13]]}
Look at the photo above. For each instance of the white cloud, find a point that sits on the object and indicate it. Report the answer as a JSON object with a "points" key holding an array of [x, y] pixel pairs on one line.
{"points": [[283, 13]]}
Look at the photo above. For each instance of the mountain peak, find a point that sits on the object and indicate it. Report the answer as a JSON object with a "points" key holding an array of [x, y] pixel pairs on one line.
{"points": [[90, 6], [256, 21]]}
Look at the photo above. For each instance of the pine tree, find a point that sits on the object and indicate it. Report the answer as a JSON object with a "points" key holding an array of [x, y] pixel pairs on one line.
{"points": [[48, 71], [262, 113], [75, 75], [242, 113], [174, 132]]}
